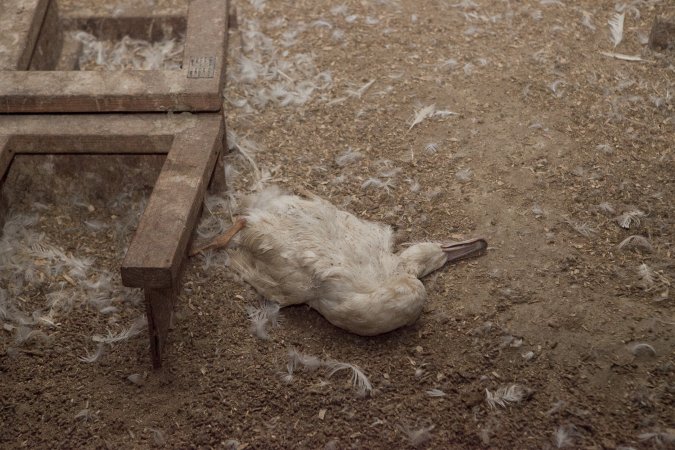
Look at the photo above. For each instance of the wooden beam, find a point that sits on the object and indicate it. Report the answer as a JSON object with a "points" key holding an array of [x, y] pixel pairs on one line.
{"points": [[104, 133], [106, 91], [20, 23], [160, 243]]}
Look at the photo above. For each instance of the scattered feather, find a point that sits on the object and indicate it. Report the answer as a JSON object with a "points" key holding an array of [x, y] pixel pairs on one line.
{"points": [[85, 415], [659, 438], [359, 379], [431, 148], [308, 362], [377, 183], [557, 406], [505, 395], [636, 241], [422, 114], [606, 208], [265, 315], [587, 21], [464, 175], [347, 157], [449, 64], [159, 435], [616, 28], [582, 228], [537, 210], [623, 57], [436, 393], [630, 218], [137, 379], [136, 327], [605, 148], [482, 330], [564, 436], [647, 276], [357, 93], [554, 88], [420, 436], [642, 349], [95, 356], [443, 113]]}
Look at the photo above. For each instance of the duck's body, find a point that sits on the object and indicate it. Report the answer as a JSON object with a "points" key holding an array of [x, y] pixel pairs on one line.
{"points": [[295, 250]]}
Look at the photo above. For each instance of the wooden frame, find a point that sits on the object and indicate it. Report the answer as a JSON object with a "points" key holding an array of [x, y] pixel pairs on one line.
{"points": [[37, 34], [193, 144]]}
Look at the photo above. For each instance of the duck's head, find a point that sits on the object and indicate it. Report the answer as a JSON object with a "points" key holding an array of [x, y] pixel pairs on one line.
{"points": [[422, 259]]}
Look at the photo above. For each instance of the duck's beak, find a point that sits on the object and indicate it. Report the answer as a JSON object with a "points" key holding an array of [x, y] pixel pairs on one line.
{"points": [[464, 249], [222, 240]]}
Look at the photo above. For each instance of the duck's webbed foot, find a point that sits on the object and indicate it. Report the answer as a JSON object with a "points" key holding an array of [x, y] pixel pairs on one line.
{"points": [[223, 240], [464, 249]]}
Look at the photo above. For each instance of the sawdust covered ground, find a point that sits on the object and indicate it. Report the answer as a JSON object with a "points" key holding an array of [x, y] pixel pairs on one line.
{"points": [[551, 144]]}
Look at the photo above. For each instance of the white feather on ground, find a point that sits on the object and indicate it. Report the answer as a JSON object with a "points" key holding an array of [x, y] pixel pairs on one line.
{"points": [[630, 218], [420, 436], [128, 53], [422, 114], [564, 436], [298, 360], [435, 393], [642, 349], [134, 329], [505, 395], [359, 379], [636, 241], [358, 92], [263, 316], [623, 57], [616, 28]]}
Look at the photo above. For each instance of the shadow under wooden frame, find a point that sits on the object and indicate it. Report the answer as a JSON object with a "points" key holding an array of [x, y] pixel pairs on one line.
{"points": [[194, 146], [36, 61]]}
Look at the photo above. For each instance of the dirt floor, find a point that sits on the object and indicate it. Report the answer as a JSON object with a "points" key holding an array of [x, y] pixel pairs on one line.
{"points": [[552, 151]]}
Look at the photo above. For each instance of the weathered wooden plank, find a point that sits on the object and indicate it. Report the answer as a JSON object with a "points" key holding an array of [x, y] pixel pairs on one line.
{"points": [[160, 243], [159, 306], [47, 50], [109, 91], [101, 124], [20, 22], [104, 133]]}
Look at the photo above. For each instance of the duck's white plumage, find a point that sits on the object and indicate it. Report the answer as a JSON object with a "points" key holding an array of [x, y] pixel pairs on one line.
{"points": [[295, 250]]}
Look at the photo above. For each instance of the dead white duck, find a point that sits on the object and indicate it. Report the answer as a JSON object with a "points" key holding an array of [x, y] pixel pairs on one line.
{"points": [[296, 250]]}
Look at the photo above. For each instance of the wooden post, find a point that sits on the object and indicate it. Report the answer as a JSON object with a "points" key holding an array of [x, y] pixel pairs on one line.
{"points": [[159, 307]]}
